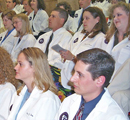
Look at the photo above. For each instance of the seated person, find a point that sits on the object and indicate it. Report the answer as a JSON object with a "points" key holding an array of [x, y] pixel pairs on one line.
{"points": [[91, 100], [36, 100], [8, 83]]}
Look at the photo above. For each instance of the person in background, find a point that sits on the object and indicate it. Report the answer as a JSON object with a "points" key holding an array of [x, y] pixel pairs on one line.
{"points": [[92, 36], [78, 16], [27, 7], [58, 35], [8, 83], [11, 5], [67, 7], [119, 88], [24, 37], [19, 7], [118, 35], [38, 18], [91, 100], [7, 37], [3, 7], [37, 99]]}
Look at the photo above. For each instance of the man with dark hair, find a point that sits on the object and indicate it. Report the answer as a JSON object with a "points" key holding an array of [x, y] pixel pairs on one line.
{"points": [[91, 100], [14, 5]]}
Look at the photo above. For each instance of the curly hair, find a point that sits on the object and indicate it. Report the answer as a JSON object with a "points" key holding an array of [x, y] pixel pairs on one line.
{"points": [[7, 72]]}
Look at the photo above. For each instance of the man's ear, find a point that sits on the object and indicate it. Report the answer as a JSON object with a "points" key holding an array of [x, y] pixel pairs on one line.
{"points": [[100, 81], [14, 4], [62, 21]]}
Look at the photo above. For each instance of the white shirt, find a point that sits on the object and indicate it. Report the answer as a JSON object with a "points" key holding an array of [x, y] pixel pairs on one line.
{"points": [[106, 109], [6, 92], [40, 21], [39, 106], [27, 40], [61, 37], [77, 46]]}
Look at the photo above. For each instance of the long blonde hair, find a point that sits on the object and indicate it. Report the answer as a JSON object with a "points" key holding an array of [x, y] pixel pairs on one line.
{"points": [[25, 24], [113, 29], [43, 77]]}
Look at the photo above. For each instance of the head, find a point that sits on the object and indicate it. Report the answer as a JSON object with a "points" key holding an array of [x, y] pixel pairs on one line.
{"points": [[3, 6], [64, 5], [120, 19], [27, 5], [33, 65], [7, 17], [38, 4], [10, 4], [94, 21], [84, 3], [7, 72], [21, 24], [116, 1], [57, 18], [93, 71]]}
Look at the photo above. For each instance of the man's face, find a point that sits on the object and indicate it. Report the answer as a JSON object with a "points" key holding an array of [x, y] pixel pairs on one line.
{"points": [[55, 22], [10, 4], [84, 3], [83, 81]]}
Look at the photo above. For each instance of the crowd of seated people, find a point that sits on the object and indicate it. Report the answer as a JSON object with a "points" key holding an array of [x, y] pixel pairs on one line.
{"points": [[43, 52]]}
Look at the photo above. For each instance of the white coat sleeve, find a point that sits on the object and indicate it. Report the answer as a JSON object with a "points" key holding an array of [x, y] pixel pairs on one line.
{"points": [[5, 100]]}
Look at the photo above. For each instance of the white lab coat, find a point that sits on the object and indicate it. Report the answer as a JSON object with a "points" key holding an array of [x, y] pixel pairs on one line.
{"points": [[61, 37], [68, 24], [1, 21], [77, 46], [40, 22], [8, 43], [106, 109], [75, 22], [119, 88], [120, 52], [6, 92], [27, 40], [103, 5], [19, 8], [39, 106]]}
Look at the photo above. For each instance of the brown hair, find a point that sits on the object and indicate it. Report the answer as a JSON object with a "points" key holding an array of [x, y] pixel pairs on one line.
{"points": [[7, 73], [101, 26]]}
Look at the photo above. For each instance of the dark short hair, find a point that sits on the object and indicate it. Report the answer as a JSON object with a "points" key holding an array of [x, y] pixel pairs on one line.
{"points": [[66, 5], [100, 63], [41, 4], [62, 13]]}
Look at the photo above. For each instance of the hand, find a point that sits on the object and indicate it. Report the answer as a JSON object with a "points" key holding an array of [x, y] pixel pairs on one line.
{"points": [[67, 55]]}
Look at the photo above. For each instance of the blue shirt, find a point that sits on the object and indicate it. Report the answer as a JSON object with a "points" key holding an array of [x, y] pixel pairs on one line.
{"points": [[89, 106], [7, 35], [26, 96]]}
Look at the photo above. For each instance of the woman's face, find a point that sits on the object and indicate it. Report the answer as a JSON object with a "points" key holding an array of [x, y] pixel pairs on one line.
{"points": [[34, 4], [24, 71], [89, 21], [8, 24], [26, 5], [120, 19], [17, 24]]}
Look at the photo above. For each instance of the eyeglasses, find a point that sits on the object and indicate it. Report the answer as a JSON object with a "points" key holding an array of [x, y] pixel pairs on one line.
{"points": [[16, 22]]}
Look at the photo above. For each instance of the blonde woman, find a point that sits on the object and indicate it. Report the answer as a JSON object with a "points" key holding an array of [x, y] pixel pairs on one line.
{"points": [[37, 100], [8, 83], [24, 37]]}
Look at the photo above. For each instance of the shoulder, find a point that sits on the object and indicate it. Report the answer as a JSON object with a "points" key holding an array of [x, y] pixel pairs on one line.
{"points": [[8, 87]]}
